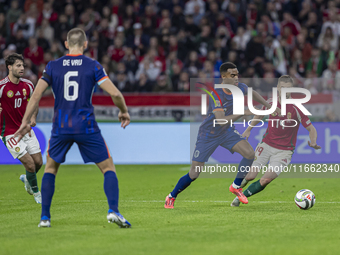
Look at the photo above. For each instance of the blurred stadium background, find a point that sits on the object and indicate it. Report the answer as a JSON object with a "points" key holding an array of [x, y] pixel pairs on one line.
{"points": [[151, 49]]}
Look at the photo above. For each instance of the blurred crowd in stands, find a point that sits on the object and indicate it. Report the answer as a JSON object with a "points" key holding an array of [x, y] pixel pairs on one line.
{"points": [[158, 45]]}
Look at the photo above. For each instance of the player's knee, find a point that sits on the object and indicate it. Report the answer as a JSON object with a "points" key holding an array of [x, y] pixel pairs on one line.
{"points": [[250, 154]]}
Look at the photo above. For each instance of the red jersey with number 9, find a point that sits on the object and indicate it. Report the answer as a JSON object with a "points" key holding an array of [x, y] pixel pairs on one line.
{"points": [[282, 135], [13, 99]]}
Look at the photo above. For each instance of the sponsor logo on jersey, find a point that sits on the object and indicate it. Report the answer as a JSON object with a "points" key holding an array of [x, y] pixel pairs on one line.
{"points": [[17, 94], [24, 92], [10, 93], [17, 149], [289, 115], [197, 153]]}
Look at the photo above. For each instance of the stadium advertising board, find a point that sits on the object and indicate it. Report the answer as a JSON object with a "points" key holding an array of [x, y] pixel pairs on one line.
{"points": [[154, 147]]}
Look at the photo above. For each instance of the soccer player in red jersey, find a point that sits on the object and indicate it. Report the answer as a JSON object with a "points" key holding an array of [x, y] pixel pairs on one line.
{"points": [[278, 143], [14, 95]]}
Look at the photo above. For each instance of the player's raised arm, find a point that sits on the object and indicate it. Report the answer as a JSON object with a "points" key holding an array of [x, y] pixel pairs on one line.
{"points": [[32, 107], [313, 136], [118, 100], [258, 98]]}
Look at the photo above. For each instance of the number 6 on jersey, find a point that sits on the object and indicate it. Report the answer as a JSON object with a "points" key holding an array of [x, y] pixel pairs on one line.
{"points": [[68, 84]]}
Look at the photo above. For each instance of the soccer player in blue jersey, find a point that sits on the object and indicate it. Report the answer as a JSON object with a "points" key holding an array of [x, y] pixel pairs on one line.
{"points": [[210, 137], [73, 79]]}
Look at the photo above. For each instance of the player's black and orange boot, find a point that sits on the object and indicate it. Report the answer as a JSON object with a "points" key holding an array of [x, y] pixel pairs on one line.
{"points": [[239, 194], [169, 202]]}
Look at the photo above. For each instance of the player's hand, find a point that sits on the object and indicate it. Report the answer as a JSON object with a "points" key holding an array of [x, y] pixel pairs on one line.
{"points": [[246, 134], [124, 118], [33, 122], [22, 131], [314, 145]]}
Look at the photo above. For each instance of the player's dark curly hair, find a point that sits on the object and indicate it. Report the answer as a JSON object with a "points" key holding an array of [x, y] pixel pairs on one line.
{"points": [[10, 59], [227, 65]]}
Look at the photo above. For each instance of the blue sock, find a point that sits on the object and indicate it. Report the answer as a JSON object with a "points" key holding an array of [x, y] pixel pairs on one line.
{"points": [[111, 190], [243, 169], [181, 185], [47, 191]]}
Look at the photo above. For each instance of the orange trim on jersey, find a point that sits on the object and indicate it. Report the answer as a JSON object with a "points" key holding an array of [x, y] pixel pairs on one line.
{"points": [[228, 93], [105, 77], [218, 110], [74, 55], [108, 152]]}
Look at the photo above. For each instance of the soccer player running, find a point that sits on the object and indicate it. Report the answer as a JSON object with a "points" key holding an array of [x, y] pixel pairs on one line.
{"points": [[14, 95], [278, 143], [210, 137], [73, 78]]}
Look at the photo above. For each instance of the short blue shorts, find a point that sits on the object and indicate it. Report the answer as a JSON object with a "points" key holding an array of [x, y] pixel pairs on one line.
{"points": [[92, 147], [206, 143]]}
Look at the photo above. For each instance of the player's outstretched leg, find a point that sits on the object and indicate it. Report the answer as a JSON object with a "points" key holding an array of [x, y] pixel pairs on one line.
{"points": [[259, 185], [245, 149], [183, 183], [30, 180], [47, 191], [112, 193], [249, 177]]}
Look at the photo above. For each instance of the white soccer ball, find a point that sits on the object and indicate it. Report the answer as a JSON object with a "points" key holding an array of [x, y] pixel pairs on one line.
{"points": [[304, 199]]}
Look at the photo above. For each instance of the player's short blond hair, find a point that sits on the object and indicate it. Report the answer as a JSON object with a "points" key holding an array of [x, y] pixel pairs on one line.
{"points": [[285, 79], [76, 37]]}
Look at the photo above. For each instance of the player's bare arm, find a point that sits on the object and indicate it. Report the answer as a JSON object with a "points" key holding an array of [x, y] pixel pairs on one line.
{"points": [[32, 107], [258, 98], [118, 100], [313, 136], [33, 121]]}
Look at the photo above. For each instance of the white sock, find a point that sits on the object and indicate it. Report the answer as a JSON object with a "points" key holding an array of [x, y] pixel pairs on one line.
{"points": [[235, 186]]}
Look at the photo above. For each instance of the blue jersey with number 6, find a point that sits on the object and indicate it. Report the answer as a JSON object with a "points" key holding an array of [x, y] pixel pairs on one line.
{"points": [[73, 79]]}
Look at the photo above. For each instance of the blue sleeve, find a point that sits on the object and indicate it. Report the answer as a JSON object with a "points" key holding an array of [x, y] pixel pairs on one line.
{"points": [[244, 88], [215, 103], [47, 74], [100, 74]]}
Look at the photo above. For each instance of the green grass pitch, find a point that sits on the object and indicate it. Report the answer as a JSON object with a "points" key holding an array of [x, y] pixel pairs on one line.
{"points": [[201, 223]]}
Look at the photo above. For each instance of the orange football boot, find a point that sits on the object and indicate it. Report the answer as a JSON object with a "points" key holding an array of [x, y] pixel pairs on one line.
{"points": [[239, 194], [169, 202]]}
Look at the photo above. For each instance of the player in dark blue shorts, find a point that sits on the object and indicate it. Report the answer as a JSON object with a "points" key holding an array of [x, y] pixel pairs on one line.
{"points": [[210, 137], [73, 79]]}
